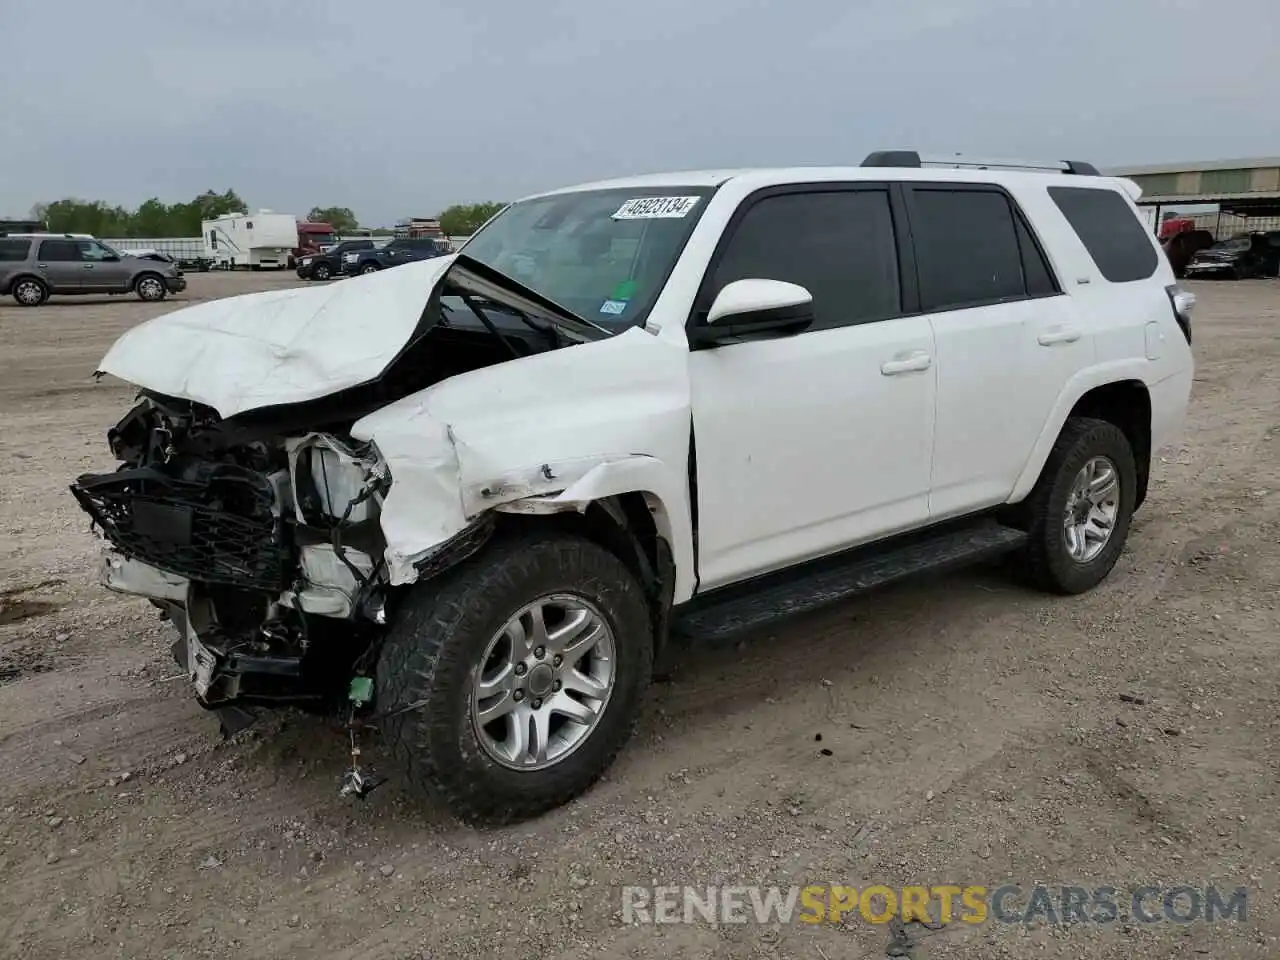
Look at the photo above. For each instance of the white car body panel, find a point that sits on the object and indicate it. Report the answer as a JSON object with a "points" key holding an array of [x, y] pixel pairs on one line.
{"points": [[281, 346], [583, 422]]}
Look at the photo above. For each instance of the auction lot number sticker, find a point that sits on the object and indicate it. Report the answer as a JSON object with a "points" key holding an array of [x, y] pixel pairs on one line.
{"points": [[656, 208]]}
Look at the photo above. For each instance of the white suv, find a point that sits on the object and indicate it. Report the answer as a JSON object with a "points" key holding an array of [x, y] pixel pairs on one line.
{"points": [[473, 498]]}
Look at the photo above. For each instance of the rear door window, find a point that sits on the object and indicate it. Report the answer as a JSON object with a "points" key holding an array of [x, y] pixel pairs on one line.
{"points": [[967, 247], [60, 251], [1116, 239]]}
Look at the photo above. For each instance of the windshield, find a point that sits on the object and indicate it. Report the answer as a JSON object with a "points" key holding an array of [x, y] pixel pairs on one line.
{"points": [[601, 254]]}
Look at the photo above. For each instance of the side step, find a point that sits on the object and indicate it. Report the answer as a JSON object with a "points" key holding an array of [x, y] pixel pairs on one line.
{"points": [[763, 600]]}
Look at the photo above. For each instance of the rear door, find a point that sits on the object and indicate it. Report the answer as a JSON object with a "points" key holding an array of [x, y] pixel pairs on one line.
{"points": [[60, 264], [1006, 337]]}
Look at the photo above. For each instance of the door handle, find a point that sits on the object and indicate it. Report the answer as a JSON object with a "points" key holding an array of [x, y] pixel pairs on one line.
{"points": [[1059, 335], [916, 361]]}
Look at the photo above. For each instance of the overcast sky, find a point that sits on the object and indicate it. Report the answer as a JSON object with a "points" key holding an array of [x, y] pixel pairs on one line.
{"points": [[401, 107]]}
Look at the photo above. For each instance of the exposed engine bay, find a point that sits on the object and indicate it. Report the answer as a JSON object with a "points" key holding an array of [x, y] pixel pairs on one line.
{"points": [[259, 535]]}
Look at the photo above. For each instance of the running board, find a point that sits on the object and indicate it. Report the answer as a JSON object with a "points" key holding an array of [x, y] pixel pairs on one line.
{"points": [[764, 600]]}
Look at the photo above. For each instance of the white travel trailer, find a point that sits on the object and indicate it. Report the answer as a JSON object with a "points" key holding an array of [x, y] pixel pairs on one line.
{"points": [[262, 240]]}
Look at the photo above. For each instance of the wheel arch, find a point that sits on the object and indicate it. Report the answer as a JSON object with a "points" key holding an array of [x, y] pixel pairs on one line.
{"points": [[626, 507], [18, 278], [1116, 393]]}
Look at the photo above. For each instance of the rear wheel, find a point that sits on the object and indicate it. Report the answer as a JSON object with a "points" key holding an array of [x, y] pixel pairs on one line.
{"points": [[1081, 507], [523, 669], [30, 292]]}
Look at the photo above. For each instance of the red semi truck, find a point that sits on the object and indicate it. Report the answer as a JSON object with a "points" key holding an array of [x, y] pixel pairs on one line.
{"points": [[312, 236]]}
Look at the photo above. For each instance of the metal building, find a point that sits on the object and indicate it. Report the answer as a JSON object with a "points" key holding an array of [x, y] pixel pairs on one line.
{"points": [[1246, 192]]}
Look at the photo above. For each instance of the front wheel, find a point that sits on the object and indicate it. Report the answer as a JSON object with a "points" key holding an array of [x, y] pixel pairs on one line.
{"points": [[1081, 507], [369, 268], [149, 287], [320, 271], [519, 674]]}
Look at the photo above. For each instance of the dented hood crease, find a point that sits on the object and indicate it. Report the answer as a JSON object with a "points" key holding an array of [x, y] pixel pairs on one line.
{"points": [[281, 346], [291, 346]]}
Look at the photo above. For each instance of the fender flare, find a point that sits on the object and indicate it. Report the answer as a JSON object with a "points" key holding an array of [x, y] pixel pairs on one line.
{"points": [[665, 491], [1115, 371]]}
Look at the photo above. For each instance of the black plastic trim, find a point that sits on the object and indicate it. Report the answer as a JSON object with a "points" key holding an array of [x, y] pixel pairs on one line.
{"points": [[911, 159], [892, 158], [798, 573]]}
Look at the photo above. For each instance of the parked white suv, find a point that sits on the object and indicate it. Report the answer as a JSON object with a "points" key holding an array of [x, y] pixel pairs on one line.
{"points": [[472, 498]]}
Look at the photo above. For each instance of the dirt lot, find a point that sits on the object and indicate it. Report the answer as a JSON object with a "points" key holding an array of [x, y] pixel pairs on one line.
{"points": [[971, 733]]}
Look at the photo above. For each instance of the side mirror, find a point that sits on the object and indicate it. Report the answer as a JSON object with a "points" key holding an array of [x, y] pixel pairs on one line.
{"points": [[747, 308]]}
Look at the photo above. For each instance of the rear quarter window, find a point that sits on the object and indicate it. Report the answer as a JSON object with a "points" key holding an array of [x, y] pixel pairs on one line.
{"points": [[1116, 240], [14, 251]]}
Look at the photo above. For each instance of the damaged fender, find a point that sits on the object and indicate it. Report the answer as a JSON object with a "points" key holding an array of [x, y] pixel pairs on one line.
{"points": [[553, 431]]}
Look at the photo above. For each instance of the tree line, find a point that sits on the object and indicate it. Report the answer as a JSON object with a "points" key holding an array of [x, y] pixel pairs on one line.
{"points": [[155, 218]]}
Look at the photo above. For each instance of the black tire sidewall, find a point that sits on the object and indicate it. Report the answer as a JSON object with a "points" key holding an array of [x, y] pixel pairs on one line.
{"points": [[320, 273], [137, 288], [44, 292], [440, 739], [1091, 438]]}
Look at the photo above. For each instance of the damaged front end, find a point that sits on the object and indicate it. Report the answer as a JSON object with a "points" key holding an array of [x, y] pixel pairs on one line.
{"points": [[265, 554]]}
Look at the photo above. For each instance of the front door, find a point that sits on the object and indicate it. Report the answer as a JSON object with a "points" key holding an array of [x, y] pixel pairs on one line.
{"points": [[810, 443], [105, 270]]}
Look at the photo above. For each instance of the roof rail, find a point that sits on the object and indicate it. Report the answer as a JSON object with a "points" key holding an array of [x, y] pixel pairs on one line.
{"points": [[910, 158]]}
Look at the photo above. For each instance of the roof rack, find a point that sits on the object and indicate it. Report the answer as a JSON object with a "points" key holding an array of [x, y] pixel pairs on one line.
{"points": [[910, 158]]}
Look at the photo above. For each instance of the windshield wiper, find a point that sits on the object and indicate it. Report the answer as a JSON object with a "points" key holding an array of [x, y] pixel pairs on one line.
{"points": [[516, 312], [489, 325], [484, 281]]}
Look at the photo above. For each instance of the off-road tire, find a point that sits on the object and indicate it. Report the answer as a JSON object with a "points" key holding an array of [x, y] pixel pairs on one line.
{"points": [[22, 284], [440, 633], [320, 271], [1048, 564], [154, 282]]}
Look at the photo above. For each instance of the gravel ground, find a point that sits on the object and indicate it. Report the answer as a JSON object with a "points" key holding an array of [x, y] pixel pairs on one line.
{"points": [[957, 730]]}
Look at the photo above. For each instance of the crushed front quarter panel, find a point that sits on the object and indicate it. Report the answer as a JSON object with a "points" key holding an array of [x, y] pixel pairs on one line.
{"points": [[535, 427]]}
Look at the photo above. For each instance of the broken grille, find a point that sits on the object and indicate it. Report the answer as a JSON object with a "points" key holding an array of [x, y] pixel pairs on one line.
{"points": [[218, 530]]}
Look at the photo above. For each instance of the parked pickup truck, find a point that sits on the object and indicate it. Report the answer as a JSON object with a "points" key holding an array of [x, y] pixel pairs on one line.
{"points": [[398, 251], [328, 264]]}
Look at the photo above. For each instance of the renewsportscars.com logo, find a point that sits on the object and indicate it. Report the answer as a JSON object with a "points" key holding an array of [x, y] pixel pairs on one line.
{"points": [[943, 903]]}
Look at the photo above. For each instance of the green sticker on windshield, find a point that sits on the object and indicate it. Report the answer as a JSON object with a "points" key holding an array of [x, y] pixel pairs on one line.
{"points": [[626, 290]]}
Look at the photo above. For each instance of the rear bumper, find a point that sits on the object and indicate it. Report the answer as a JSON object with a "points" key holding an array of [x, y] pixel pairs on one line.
{"points": [[1169, 400]]}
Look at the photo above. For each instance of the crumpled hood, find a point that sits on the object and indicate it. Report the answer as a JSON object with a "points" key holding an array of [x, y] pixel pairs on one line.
{"points": [[281, 346]]}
